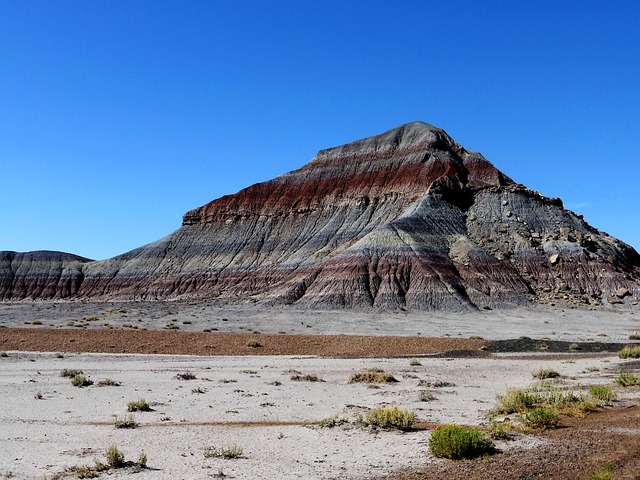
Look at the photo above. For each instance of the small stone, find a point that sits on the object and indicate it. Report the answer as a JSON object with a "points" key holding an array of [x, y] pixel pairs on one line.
{"points": [[622, 292], [554, 258]]}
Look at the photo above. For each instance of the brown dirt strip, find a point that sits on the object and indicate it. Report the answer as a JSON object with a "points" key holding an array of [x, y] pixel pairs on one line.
{"points": [[216, 343]]}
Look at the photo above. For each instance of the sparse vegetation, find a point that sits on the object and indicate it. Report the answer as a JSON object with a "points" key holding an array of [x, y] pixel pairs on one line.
{"points": [[426, 396], [115, 458], [309, 377], [128, 421], [603, 473], [230, 451], [390, 417], [540, 417], [516, 400], [138, 406], [626, 379], [108, 382], [603, 394], [372, 375], [545, 373], [142, 459], [70, 373], [198, 390], [333, 421], [38, 395], [81, 381], [4, 354], [254, 344], [414, 362], [630, 351], [456, 442], [185, 376]]}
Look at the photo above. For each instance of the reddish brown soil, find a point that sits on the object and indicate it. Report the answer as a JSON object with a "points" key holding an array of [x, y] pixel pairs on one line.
{"points": [[214, 343]]}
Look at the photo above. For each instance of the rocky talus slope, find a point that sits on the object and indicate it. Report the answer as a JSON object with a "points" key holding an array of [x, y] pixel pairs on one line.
{"points": [[404, 219]]}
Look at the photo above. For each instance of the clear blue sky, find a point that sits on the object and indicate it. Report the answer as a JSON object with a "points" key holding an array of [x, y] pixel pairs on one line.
{"points": [[116, 117]]}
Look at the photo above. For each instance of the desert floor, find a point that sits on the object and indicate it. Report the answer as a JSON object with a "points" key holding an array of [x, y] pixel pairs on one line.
{"points": [[247, 396]]}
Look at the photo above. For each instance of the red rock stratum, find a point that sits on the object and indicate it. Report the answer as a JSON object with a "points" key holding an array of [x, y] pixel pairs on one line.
{"points": [[404, 219]]}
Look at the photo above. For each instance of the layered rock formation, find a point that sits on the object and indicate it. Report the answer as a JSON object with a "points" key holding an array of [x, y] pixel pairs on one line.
{"points": [[404, 219]]}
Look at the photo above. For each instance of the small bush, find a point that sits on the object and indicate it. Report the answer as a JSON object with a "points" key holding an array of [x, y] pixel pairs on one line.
{"points": [[602, 393], [254, 344], [107, 382], [142, 459], [309, 377], [543, 374], [81, 381], [626, 379], [514, 401], [414, 362], [372, 375], [139, 406], [4, 354], [426, 396], [231, 451], [69, 373], [115, 458], [500, 430], [456, 442], [603, 473], [630, 351], [198, 390], [38, 395], [185, 376], [128, 421], [540, 417], [390, 418], [331, 422]]}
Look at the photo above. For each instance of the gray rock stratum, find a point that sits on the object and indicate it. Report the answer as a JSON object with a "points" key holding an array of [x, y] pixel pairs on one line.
{"points": [[404, 219]]}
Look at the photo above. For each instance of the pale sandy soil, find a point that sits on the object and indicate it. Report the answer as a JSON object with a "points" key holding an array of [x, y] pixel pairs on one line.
{"points": [[251, 400]]}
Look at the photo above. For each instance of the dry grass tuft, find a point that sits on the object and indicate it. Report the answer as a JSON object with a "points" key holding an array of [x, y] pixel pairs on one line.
{"points": [[372, 375]]}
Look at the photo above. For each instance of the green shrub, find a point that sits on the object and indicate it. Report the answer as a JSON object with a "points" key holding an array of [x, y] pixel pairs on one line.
{"points": [[626, 379], [630, 351], [456, 442], [81, 381], [230, 451], [115, 458], [414, 362], [514, 401], [333, 421], [392, 417], [70, 373], [372, 375], [603, 473], [540, 417], [138, 406], [602, 393]]}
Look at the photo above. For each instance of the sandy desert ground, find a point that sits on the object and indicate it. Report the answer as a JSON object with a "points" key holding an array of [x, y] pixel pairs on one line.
{"points": [[48, 425]]}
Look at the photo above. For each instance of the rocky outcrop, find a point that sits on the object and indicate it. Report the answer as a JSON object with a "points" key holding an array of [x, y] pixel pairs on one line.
{"points": [[404, 219]]}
